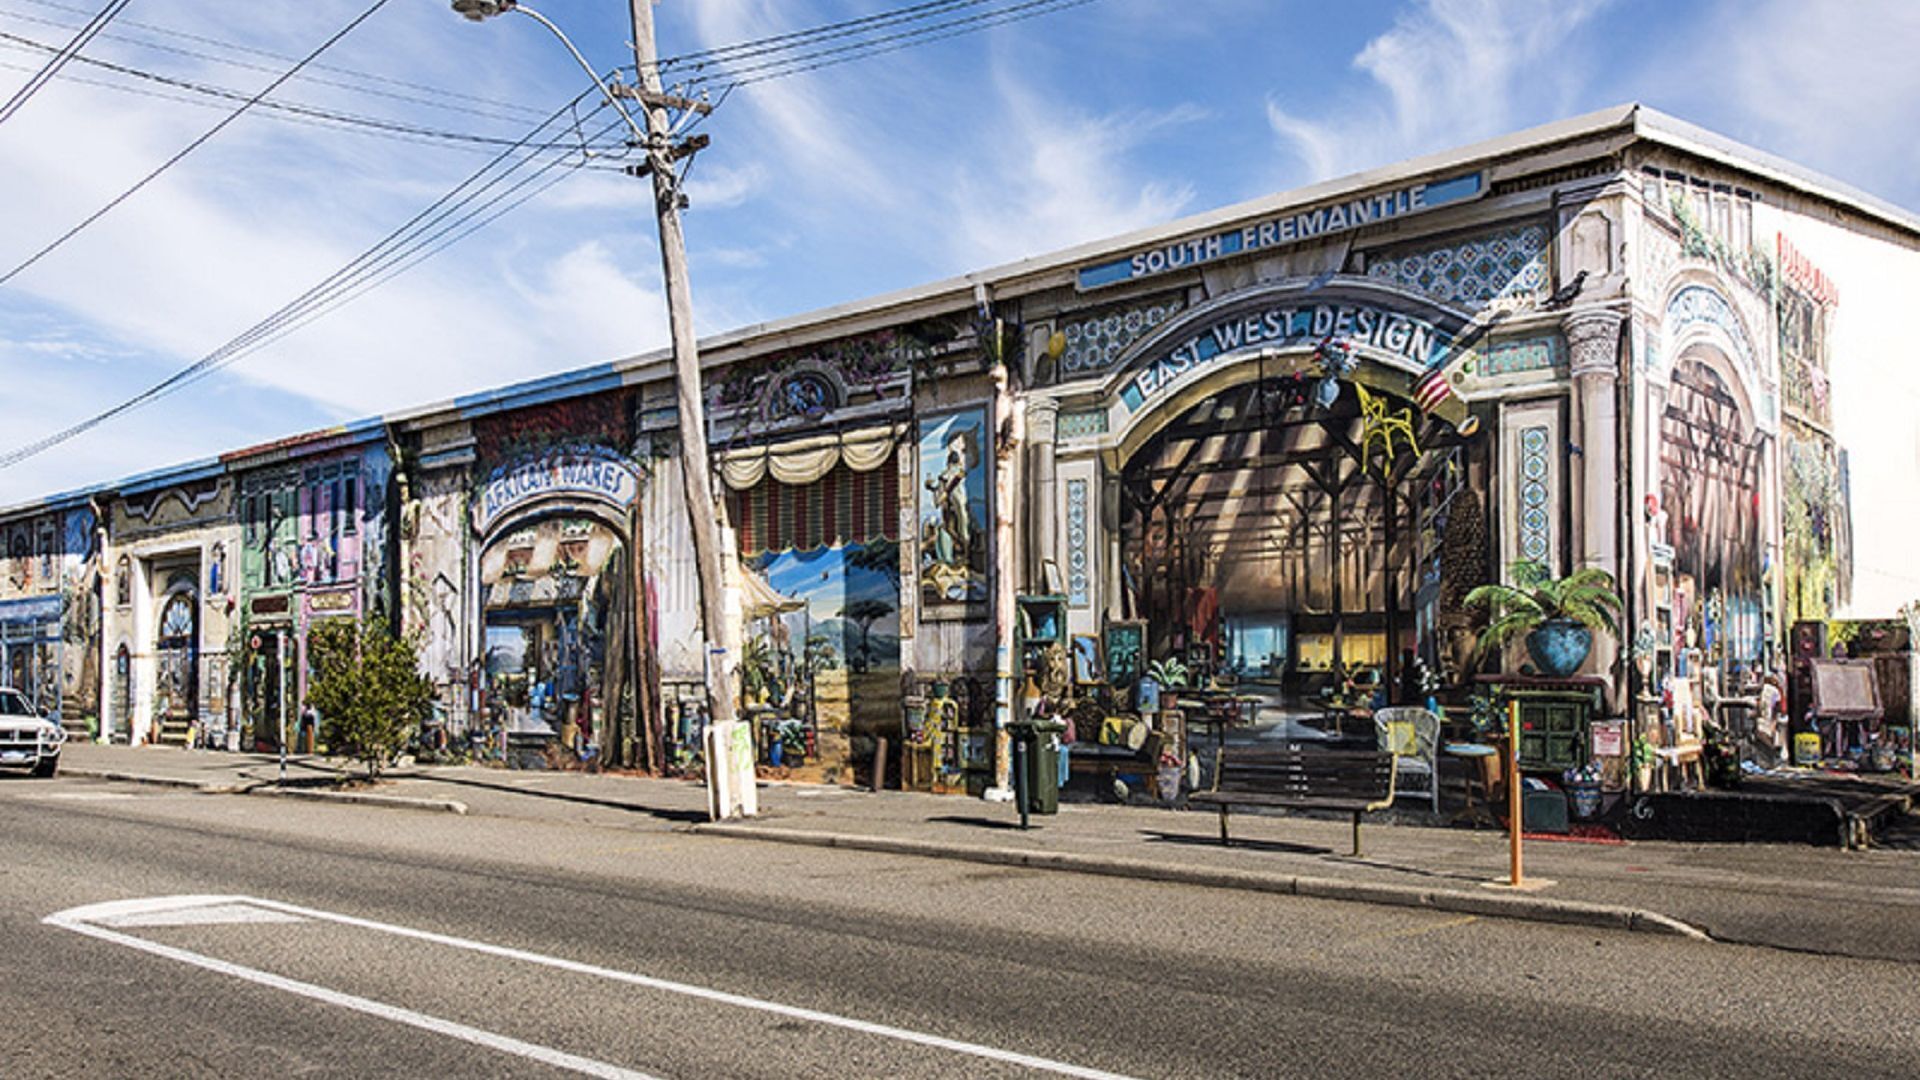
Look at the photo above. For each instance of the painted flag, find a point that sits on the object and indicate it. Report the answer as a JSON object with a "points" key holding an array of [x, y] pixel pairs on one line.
{"points": [[1432, 390]]}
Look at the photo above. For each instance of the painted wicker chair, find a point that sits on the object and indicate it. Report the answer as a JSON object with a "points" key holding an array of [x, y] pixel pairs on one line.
{"points": [[1413, 734]]}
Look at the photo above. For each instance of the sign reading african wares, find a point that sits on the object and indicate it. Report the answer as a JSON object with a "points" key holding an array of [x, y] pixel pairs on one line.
{"points": [[574, 471], [1291, 227]]}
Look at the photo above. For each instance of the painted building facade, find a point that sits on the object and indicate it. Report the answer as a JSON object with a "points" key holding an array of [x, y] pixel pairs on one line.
{"points": [[1280, 440]]}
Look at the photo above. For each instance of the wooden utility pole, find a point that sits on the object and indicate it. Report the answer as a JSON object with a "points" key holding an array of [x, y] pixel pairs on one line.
{"points": [[686, 371]]}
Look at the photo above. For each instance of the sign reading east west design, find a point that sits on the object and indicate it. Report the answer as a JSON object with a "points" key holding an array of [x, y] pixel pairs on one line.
{"points": [[593, 473], [1410, 343], [1291, 227]]}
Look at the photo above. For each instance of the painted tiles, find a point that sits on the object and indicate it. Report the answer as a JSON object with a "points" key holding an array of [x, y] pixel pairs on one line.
{"points": [[1502, 264]]}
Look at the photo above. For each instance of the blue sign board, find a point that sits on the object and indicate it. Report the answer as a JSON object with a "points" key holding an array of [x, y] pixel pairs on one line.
{"points": [[1291, 227]]}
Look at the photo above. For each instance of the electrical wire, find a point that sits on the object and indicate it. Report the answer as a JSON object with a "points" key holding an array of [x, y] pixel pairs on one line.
{"points": [[410, 245], [526, 111], [397, 252], [802, 38], [60, 57], [813, 61], [332, 116], [462, 107], [192, 146]]}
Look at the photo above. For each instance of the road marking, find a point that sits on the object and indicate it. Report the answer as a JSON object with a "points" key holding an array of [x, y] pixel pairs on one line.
{"points": [[88, 919], [85, 921]]}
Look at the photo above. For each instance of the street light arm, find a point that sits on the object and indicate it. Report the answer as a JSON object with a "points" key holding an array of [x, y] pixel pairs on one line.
{"points": [[639, 133]]}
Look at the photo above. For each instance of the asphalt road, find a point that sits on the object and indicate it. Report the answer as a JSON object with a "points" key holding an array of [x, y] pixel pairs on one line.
{"points": [[387, 942]]}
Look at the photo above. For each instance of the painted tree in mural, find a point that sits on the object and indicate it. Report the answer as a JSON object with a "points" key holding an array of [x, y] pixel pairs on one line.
{"points": [[367, 688], [864, 613]]}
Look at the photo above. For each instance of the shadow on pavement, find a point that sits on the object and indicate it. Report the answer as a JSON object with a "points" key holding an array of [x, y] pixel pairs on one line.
{"points": [[1213, 842], [664, 814], [975, 822]]}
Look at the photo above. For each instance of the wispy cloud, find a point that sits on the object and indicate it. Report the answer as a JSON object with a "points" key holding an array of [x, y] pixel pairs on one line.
{"points": [[1053, 175], [1446, 72], [1836, 89]]}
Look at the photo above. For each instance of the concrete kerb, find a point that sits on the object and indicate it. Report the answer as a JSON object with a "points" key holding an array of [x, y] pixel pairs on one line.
{"points": [[253, 785], [1515, 906], [211, 787], [397, 802]]}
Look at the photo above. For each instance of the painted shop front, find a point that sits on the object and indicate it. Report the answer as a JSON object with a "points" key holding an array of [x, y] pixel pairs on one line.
{"points": [[555, 600], [169, 611], [314, 544], [50, 613]]}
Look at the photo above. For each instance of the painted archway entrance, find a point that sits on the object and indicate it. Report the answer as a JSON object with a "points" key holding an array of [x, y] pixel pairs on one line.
{"points": [[176, 650], [1709, 520], [1292, 463], [1293, 540], [555, 598]]}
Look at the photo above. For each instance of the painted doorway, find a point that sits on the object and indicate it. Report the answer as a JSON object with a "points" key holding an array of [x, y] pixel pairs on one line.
{"points": [[177, 656], [558, 636]]}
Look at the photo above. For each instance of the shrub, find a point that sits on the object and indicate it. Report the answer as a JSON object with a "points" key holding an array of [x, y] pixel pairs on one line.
{"points": [[367, 687]]}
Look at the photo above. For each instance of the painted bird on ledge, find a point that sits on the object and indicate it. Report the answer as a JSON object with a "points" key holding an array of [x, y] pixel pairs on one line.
{"points": [[1564, 294]]}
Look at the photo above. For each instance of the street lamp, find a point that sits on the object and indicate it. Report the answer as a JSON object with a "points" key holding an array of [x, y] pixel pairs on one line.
{"points": [[729, 758]]}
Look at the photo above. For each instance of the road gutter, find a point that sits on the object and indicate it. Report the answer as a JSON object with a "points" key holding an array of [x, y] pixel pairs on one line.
{"points": [[1508, 906]]}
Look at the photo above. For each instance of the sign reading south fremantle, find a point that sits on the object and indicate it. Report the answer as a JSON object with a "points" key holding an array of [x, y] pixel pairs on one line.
{"points": [[1291, 227]]}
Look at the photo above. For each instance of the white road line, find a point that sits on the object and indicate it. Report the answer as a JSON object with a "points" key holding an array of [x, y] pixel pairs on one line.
{"points": [[546, 1055], [78, 919]]}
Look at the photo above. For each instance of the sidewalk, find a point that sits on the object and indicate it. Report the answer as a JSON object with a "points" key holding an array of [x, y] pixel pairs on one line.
{"points": [[1815, 899]]}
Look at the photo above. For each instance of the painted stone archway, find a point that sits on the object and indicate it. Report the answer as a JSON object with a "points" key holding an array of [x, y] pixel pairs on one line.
{"points": [[555, 602], [1399, 343], [1261, 447]]}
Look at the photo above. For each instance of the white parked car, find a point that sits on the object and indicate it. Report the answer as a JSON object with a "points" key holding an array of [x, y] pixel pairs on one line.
{"points": [[28, 737]]}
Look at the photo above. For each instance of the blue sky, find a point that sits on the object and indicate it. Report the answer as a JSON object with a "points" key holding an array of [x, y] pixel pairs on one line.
{"points": [[818, 189]]}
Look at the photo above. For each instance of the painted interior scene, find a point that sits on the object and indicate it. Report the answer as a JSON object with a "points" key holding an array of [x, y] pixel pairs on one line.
{"points": [[820, 603], [558, 632]]}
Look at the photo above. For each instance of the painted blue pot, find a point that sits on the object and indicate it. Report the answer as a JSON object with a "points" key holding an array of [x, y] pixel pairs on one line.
{"points": [[1559, 646]]}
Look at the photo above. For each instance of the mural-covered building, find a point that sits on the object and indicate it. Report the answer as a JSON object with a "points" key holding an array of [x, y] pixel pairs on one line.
{"points": [[1277, 442]]}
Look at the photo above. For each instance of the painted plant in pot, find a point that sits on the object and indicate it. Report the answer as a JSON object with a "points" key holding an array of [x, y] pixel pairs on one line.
{"points": [[1556, 615]]}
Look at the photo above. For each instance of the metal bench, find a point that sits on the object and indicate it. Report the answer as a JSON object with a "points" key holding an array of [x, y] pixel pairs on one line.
{"points": [[1350, 781]]}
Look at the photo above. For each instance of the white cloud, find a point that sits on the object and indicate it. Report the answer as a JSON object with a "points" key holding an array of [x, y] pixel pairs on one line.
{"points": [[1054, 176], [1447, 72], [1833, 88]]}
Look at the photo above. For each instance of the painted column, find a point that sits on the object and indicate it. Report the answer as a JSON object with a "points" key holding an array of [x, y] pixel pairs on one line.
{"points": [[1043, 508], [1006, 442], [1593, 344]]}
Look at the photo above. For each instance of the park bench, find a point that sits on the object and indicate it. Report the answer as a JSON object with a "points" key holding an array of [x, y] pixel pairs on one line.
{"points": [[1349, 781]]}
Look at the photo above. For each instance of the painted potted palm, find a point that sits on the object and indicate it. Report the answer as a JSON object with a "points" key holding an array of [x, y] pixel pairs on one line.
{"points": [[1557, 616]]}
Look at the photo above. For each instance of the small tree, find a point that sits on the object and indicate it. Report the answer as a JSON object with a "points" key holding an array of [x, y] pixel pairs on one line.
{"points": [[367, 688]]}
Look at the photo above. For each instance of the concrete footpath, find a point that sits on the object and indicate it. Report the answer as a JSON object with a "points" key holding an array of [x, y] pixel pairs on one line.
{"points": [[1856, 903]]}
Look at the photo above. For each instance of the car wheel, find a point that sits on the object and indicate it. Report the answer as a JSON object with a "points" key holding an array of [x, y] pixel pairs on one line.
{"points": [[46, 767]]}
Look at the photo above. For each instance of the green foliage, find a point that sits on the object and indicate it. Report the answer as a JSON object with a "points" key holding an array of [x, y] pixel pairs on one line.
{"points": [[1535, 597], [1640, 753], [367, 688], [1171, 673]]}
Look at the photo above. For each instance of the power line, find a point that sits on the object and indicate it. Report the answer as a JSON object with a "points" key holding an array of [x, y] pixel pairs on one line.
{"points": [[860, 50], [802, 38], [613, 149], [397, 252], [332, 116], [60, 57], [460, 105], [192, 146], [526, 111]]}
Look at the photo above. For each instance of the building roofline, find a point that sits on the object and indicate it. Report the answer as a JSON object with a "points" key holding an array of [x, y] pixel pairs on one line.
{"points": [[717, 350]]}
